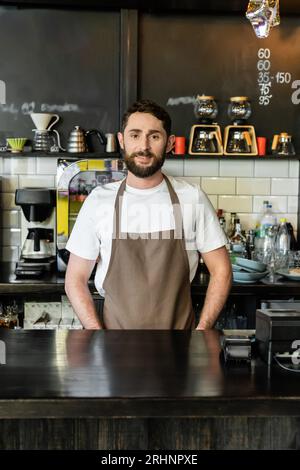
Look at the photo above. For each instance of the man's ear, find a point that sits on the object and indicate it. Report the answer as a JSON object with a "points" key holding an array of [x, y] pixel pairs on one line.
{"points": [[170, 144], [121, 140]]}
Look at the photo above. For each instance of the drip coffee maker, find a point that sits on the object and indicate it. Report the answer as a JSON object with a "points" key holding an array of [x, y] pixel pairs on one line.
{"points": [[205, 137], [45, 138], [282, 145], [38, 250], [239, 137]]}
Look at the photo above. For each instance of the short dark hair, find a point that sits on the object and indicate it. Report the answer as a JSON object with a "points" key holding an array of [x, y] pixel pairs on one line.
{"points": [[148, 106]]}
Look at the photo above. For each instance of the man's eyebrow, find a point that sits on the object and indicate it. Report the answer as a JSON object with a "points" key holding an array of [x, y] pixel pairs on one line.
{"points": [[151, 131]]}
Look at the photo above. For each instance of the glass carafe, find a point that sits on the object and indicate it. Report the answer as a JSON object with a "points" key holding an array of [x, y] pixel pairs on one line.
{"points": [[239, 109], [205, 108], [285, 145], [238, 142], [46, 140], [205, 142]]}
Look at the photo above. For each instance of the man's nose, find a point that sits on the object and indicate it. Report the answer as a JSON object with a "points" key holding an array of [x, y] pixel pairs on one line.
{"points": [[145, 142]]}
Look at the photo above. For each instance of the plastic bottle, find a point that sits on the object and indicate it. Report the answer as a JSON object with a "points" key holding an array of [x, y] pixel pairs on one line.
{"points": [[282, 242], [268, 219], [237, 242]]}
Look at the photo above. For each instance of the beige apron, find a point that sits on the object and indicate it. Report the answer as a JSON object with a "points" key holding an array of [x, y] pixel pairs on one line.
{"points": [[147, 285]]}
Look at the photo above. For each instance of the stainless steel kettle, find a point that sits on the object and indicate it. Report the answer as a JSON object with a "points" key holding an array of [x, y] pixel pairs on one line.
{"points": [[77, 142]]}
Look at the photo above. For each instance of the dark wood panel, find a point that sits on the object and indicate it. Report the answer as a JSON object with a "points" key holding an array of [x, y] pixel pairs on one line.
{"points": [[224, 6], [152, 434]]}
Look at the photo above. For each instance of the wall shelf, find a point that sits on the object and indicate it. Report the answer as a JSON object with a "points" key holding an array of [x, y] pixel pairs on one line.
{"points": [[80, 156], [67, 155], [231, 157]]}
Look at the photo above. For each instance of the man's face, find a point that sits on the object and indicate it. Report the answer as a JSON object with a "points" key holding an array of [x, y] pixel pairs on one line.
{"points": [[145, 144]]}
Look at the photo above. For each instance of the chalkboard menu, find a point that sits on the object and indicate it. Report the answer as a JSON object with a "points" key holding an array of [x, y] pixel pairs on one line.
{"points": [[181, 56], [61, 62]]}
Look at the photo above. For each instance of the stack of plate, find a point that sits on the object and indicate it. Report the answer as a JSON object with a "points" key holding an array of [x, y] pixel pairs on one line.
{"points": [[247, 271]]}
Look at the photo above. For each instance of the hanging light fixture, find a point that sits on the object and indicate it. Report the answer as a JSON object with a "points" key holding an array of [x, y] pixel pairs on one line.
{"points": [[263, 15]]}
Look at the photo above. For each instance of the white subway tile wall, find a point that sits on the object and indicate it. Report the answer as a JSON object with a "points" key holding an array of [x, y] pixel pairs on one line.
{"points": [[269, 169], [46, 165], [242, 186], [239, 186], [236, 168], [282, 186], [294, 169], [36, 181], [205, 167], [253, 186], [215, 185]]}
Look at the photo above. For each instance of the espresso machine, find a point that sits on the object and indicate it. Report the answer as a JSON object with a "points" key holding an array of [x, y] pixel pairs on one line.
{"points": [[38, 254], [205, 137], [239, 137]]}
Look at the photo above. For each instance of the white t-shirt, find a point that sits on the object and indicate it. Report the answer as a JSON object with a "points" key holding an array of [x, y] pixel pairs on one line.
{"points": [[144, 211]]}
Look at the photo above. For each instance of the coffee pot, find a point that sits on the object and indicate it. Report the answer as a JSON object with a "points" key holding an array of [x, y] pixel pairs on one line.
{"points": [[38, 244], [206, 141], [205, 137], [282, 144], [239, 142], [77, 142], [45, 138]]}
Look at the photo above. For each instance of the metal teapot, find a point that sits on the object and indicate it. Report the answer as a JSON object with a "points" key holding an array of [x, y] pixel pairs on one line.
{"points": [[77, 142]]}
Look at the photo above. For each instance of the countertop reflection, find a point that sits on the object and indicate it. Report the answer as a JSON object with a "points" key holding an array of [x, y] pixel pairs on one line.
{"points": [[132, 364]]}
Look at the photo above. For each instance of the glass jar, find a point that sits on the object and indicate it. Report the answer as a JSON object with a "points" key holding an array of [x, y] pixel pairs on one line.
{"points": [[205, 108], [9, 318], [239, 109]]}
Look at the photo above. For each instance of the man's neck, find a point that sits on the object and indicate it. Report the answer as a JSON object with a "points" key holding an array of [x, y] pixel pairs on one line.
{"points": [[144, 183]]}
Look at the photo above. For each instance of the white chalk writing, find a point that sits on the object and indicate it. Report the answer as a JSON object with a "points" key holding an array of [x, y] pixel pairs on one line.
{"points": [[296, 94], [181, 100], [2, 92], [32, 107]]}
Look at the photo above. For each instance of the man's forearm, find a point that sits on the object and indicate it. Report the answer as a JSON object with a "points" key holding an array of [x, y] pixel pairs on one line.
{"points": [[83, 305], [216, 295]]}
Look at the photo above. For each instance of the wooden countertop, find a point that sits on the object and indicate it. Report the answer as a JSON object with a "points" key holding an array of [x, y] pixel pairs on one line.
{"points": [[83, 373], [53, 283]]}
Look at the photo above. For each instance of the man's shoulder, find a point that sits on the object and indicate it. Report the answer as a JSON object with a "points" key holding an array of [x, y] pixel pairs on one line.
{"points": [[188, 189], [183, 186]]}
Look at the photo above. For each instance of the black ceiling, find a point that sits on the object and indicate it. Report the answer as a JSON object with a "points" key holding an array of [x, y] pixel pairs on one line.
{"points": [[287, 7]]}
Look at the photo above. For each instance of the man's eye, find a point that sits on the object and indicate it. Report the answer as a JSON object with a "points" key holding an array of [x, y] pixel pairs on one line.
{"points": [[155, 136], [134, 136]]}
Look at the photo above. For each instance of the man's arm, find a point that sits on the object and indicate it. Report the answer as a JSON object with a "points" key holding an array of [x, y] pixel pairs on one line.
{"points": [[218, 264], [76, 287]]}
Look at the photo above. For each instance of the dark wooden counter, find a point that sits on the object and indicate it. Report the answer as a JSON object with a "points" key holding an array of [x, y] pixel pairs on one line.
{"points": [[52, 283], [140, 390]]}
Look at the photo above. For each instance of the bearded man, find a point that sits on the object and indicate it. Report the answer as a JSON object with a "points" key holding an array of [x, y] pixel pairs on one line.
{"points": [[146, 232]]}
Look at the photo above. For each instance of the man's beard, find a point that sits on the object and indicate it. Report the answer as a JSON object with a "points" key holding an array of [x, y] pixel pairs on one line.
{"points": [[142, 171]]}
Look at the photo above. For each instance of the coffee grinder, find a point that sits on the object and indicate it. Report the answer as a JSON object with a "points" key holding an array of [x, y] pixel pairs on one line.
{"points": [[239, 137], [205, 137], [38, 254]]}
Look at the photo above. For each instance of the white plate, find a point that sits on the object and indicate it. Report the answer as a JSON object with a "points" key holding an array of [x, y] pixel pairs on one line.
{"points": [[251, 264], [292, 277]]}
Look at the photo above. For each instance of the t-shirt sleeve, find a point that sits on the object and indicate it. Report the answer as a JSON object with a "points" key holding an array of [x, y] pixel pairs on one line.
{"points": [[83, 240], [209, 233]]}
